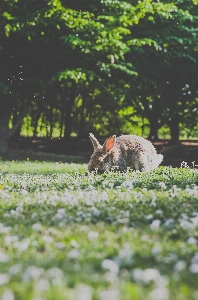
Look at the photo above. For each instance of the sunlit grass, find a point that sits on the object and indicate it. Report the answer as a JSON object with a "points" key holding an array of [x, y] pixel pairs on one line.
{"points": [[37, 167]]}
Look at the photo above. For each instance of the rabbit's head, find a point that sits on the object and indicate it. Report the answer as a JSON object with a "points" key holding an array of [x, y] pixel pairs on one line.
{"points": [[100, 159]]}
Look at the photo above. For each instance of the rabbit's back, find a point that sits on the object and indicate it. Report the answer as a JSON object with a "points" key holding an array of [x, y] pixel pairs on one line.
{"points": [[134, 152], [132, 142]]}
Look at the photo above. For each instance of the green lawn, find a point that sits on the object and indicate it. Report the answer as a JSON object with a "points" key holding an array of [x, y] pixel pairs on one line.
{"points": [[67, 234]]}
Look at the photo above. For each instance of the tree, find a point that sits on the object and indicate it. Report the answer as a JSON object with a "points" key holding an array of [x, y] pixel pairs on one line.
{"points": [[165, 67], [86, 41], [74, 62]]}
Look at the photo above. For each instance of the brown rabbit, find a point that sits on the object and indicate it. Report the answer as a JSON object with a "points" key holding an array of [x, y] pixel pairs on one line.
{"points": [[126, 151]]}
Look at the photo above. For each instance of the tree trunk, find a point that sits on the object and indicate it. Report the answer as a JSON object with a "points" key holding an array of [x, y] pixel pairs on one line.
{"points": [[5, 112], [16, 134], [154, 115], [68, 120], [61, 124], [68, 111], [5, 132], [174, 128], [174, 122], [4, 139], [153, 135], [82, 117], [35, 123]]}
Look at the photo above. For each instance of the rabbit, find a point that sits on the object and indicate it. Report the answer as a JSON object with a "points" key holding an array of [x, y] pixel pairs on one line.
{"points": [[125, 151]]}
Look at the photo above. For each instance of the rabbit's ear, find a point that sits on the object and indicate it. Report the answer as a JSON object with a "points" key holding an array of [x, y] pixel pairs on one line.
{"points": [[109, 144], [95, 142]]}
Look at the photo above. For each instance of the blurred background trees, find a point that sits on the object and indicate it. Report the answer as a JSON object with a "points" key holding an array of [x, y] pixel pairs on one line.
{"points": [[107, 67]]}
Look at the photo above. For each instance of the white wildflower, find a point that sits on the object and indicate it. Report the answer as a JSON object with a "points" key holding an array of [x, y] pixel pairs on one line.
{"points": [[5, 195], [19, 208], [169, 223], [73, 254], [194, 263], [150, 274], [160, 294], [24, 192], [55, 275], [47, 239], [194, 268], [171, 257], [83, 292], [194, 259], [184, 164], [33, 216], [88, 202], [3, 257], [23, 245], [10, 239], [32, 272], [138, 274], [186, 224], [105, 183], [59, 215], [194, 221], [125, 255], [110, 265], [103, 196], [42, 284], [127, 185], [155, 224], [192, 241], [156, 250], [148, 217], [37, 227], [74, 244], [4, 278], [7, 295], [111, 294], [146, 275], [27, 199], [59, 245], [92, 235], [111, 277], [180, 266], [162, 185], [15, 269], [95, 212]]}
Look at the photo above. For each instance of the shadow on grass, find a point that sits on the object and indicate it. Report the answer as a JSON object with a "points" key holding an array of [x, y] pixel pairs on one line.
{"points": [[41, 156]]}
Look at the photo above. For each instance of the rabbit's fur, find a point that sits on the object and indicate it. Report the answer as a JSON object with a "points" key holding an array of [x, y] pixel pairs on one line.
{"points": [[126, 151]]}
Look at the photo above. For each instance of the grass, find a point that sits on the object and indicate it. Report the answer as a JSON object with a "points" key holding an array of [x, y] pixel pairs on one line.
{"points": [[67, 234], [44, 167]]}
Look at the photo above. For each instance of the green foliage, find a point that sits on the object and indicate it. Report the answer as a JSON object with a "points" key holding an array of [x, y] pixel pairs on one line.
{"points": [[121, 235], [110, 54]]}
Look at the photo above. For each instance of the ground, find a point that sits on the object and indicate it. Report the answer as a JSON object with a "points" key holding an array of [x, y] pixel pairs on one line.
{"points": [[81, 150], [68, 234]]}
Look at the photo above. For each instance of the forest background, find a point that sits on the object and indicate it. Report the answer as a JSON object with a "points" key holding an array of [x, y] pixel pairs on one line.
{"points": [[106, 67]]}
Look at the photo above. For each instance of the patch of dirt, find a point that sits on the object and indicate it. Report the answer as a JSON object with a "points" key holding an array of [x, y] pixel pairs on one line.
{"points": [[174, 155]]}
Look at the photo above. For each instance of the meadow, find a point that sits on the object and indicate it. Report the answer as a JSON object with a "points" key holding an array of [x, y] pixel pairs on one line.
{"points": [[66, 234]]}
